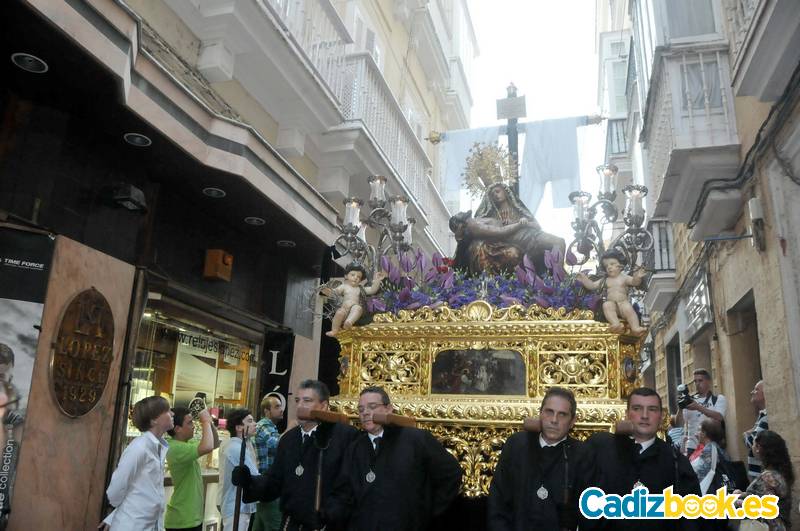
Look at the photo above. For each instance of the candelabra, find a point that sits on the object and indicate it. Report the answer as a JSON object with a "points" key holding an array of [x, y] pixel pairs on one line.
{"points": [[387, 217], [632, 242]]}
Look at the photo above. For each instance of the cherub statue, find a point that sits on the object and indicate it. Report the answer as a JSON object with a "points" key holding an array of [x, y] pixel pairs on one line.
{"points": [[616, 285], [353, 296]]}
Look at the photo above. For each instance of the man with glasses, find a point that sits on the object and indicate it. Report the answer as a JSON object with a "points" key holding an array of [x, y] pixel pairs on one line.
{"points": [[393, 478]]}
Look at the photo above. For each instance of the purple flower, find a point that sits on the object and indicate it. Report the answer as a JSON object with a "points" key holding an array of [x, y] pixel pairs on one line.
{"points": [[406, 263], [437, 260], [385, 264], [571, 258], [527, 263]]}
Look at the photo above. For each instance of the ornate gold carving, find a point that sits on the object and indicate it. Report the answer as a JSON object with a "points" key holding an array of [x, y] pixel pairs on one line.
{"points": [[482, 311], [560, 348]]}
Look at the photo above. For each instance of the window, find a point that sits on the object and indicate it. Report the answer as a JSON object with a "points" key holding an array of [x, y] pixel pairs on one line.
{"points": [[618, 49], [616, 84], [366, 40], [698, 83], [688, 18]]}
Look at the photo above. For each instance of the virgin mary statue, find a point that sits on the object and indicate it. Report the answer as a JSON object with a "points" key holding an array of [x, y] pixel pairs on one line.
{"points": [[500, 207]]}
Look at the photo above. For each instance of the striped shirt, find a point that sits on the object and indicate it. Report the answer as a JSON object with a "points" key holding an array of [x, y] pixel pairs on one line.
{"points": [[753, 463]]}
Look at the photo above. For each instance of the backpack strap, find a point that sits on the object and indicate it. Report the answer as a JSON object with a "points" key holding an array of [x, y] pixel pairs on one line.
{"points": [[706, 482]]}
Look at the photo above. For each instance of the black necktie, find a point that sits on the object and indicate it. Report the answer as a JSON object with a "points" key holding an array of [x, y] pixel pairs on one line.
{"points": [[376, 445], [637, 450], [306, 439]]}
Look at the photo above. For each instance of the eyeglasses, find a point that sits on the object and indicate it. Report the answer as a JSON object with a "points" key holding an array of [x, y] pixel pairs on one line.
{"points": [[372, 406]]}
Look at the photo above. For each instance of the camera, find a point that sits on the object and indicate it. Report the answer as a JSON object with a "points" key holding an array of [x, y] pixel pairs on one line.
{"points": [[684, 398]]}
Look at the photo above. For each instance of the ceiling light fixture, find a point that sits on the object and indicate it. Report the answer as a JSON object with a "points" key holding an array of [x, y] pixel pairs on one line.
{"points": [[254, 220], [214, 193], [137, 139], [29, 63]]}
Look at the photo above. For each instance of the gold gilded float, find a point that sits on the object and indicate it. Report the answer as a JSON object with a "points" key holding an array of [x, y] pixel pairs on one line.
{"points": [[471, 375]]}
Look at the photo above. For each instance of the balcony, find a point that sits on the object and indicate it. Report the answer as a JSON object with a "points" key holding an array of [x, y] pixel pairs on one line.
{"points": [[690, 135], [374, 121], [335, 108], [661, 261], [458, 98], [765, 45]]}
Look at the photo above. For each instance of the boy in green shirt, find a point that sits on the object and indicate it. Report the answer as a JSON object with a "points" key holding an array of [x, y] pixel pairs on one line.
{"points": [[185, 507]]}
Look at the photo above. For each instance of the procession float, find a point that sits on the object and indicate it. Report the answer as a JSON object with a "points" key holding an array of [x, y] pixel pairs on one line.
{"points": [[468, 345]]}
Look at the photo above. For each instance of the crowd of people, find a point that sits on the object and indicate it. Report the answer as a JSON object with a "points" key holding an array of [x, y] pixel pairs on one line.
{"points": [[320, 475]]}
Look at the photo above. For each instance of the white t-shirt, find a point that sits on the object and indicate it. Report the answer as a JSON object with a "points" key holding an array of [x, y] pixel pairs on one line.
{"points": [[694, 418]]}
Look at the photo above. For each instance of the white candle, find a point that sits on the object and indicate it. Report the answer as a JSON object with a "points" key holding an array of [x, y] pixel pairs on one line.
{"points": [[607, 181], [399, 206], [352, 209], [579, 203], [407, 235], [377, 188]]}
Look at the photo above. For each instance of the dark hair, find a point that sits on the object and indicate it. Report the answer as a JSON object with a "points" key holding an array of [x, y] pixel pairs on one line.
{"points": [[6, 354], [179, 413], [385, 400], [775, 456], [702, 372], [713, 429], [355, 266], [566, 394], [146, 410], [459, 219], [616, 255], [644, 391], [323, 393], [235, 418]]}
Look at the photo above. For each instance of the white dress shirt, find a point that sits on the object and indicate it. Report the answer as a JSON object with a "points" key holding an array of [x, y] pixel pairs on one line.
{"points": [[373, 437], [646, 444], [137, 486], [543, 442]]}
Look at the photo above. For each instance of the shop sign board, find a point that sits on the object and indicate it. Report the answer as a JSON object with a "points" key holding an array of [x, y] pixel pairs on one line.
{"points": [[82, 353], [698, 306], [276, 368], [25, 259]]}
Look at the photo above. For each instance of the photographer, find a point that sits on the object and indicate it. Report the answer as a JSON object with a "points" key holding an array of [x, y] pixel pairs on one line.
{"points": [[693, 410]]}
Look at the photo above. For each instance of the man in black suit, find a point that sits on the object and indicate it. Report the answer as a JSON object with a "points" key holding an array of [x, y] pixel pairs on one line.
{"points": [[627, 462], [540, 475], [293, 475], [393, 478]]}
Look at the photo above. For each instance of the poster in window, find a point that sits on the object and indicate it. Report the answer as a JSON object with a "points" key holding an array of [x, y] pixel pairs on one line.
{"points": [[25, 259]]}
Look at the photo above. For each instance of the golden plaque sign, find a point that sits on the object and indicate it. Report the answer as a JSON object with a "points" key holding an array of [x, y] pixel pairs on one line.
{"points": [[82, 353]]}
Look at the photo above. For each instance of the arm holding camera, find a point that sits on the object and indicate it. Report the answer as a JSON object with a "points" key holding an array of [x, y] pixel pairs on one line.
{"points": [[210, 438]]}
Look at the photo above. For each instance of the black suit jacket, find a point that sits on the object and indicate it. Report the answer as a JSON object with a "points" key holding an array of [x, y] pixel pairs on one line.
{"points": [[524, 467], [297, 492], [416, 479], [657, 468]]}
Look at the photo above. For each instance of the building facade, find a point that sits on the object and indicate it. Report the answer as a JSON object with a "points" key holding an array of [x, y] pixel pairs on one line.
{"points": [[712, 92], [188, 161]]}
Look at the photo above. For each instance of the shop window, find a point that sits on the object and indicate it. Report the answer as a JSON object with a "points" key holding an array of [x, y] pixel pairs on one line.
{"points": [[178, 357]]}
